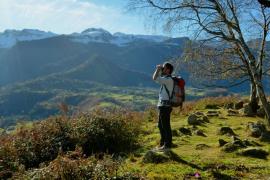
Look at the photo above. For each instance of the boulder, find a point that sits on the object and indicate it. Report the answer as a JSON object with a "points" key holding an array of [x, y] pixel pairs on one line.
{"points": [[185, 131], [265, 136], [254, 152], [226, 130], [232, 146], [197, 118], [199, 132], [239, 143], [239, 105], [222, 142], [155, 157], [193, 119], [256, 129]]}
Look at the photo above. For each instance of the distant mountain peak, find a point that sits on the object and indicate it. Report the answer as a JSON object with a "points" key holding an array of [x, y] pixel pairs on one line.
{"points": [[99, 35], [10, 36], [91, 31]]}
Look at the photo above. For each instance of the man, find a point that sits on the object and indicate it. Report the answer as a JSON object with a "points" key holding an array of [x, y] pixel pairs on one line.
{"points": [[162, 76]]}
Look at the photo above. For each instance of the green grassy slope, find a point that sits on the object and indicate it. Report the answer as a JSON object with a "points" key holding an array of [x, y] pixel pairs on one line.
{"points": [[211, 162]]}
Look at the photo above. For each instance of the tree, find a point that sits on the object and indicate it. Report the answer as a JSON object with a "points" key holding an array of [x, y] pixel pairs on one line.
{"points": [[265, 3], [220, 66], [228, 21]]}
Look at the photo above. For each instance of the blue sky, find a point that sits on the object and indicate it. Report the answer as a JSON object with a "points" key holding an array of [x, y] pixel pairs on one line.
{"points": [[67, 16]]}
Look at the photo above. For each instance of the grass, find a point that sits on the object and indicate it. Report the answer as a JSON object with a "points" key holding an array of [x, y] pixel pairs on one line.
{"points": [[211, 162]]}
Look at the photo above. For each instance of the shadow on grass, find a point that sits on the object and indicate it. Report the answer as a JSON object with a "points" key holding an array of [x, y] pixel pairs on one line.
{"points": [[218, 175], [173, 156]]}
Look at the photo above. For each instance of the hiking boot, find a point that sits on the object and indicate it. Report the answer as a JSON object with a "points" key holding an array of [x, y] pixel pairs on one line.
{"points": [[162, 148]]}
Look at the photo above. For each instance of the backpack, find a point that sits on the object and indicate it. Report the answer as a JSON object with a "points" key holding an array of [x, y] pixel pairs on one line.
{"points": [[178, 93]]}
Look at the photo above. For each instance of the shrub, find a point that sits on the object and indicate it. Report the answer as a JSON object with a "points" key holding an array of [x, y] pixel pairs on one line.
{"points": [[103, 131], [65, 167], [42, 142]]}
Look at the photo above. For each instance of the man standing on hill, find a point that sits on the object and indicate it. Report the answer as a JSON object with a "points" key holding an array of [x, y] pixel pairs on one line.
{"points": [[162, 76]]}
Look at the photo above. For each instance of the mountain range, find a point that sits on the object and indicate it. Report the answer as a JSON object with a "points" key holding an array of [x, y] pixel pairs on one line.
{"points": [[50, 53], [41, 69]]}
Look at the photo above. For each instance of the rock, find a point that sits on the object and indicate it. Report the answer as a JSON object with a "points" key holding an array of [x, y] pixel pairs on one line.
{"points": [[231, 147], [247, 142], [232, 112], [265, 136], [185, 131], [256, 129], [201, 146], [239, 143], [261, 113], [197, 119], [155, 157], [239, 105], [212, 106], [222, 142], [254, 152], [229, 106], [199, 132], [193, 120], [226, 130], [247, 110]]}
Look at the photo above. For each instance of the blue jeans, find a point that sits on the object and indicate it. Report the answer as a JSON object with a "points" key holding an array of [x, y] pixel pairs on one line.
{"points": [[164, 125]]}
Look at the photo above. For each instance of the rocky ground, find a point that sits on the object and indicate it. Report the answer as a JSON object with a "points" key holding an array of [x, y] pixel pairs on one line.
{"points": [[214, 142]]}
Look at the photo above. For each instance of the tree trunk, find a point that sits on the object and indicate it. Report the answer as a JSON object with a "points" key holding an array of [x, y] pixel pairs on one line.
{"points": [[253, 98], [263, 99]]}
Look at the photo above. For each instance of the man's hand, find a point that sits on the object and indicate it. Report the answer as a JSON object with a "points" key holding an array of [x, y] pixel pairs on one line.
{"points": [[159, 67], [156, 73]]}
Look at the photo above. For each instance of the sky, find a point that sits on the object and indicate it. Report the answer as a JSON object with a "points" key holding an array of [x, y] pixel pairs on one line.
{"points": [[68, 16]]}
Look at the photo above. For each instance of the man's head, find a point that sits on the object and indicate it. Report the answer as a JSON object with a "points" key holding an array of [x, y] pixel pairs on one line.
{"points": [[167, 68]]}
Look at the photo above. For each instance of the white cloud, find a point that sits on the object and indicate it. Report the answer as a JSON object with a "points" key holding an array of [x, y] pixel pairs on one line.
{"points": [[65, 16]]}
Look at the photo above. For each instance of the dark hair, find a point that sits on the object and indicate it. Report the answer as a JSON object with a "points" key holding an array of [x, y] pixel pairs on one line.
{"points": [[169, 66]]}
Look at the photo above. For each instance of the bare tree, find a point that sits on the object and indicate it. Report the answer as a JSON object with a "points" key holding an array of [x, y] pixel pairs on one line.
{"points": [[231, 21], [218, 65], [265, 3]]}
